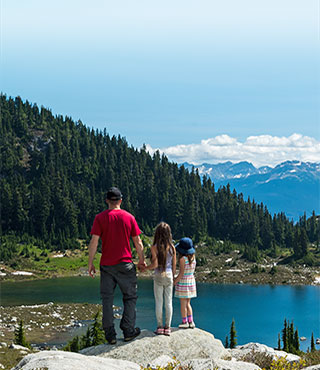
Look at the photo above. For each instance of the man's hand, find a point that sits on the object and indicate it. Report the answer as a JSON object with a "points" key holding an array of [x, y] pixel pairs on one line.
{"points": [[92, 251], [142, 266], [139, 248], [92, 270]]}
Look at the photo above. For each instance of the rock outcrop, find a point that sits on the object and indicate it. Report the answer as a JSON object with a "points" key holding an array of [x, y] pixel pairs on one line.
{"points": [[60, 360], [241, 351], [183, 344], [196, 348]]}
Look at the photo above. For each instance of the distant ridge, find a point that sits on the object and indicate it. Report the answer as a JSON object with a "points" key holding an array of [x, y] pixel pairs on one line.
{"points": [[292, 186]]}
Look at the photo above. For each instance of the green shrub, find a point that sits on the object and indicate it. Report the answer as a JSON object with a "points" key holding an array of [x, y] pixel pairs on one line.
{"points": [[309, 260], [255, 269], [261, 359], [174, 365], [312, 358], [201, 261], [213, 273], [283, 364], [273, 270]]}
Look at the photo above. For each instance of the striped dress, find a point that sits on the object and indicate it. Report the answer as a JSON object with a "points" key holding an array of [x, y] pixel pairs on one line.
{"points": [[186, 287]]}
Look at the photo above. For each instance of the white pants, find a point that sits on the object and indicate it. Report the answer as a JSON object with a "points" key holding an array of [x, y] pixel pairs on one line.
{"points": [[162, 287]]}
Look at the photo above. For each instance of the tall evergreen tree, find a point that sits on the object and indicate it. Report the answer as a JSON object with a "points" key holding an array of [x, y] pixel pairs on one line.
{"points": [[19, 336], [233, 335], [285, 336], [296, 341], [313, 347], [97, 333]]}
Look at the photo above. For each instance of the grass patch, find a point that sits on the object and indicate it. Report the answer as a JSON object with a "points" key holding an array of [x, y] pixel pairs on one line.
{"points": [[10, 357]]}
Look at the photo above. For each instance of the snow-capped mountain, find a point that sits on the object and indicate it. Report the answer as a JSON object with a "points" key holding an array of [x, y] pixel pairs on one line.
{"points": [[292, 187]]}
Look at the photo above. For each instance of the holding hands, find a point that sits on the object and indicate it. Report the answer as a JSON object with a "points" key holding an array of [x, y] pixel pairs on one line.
{"points": [[142, 266]]}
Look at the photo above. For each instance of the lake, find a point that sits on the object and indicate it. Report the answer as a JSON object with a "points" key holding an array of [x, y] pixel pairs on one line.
{"points": [[259, 311]]}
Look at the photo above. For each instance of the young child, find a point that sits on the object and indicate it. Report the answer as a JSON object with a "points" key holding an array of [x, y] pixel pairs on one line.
{"points": [[163, 260], [185, 283]]}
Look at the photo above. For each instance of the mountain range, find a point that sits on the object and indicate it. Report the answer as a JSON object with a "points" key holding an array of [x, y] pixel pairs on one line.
{"points": [[292, 187]]}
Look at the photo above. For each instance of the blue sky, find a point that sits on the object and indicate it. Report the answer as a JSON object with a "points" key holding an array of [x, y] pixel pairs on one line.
{"points": [[172, 73]]}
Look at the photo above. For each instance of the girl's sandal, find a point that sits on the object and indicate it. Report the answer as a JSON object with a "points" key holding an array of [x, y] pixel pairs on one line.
{"points": [[159, 331], [167, 331]]}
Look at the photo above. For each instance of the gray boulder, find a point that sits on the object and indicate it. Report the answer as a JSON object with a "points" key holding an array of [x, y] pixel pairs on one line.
{"points": [[18, 347], [205, 364], [61, 360], [182, 344], [196, 348], [246, 349]]}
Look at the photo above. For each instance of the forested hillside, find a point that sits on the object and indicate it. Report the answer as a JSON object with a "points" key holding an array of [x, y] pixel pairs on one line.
{"points": [[55, 172]]}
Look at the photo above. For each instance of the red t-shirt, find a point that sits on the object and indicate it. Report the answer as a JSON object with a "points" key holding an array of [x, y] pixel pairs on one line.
{"points": [[115, 227]]}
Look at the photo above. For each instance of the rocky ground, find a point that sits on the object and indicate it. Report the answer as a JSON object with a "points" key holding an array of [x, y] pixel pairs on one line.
{"points": [[185, 349], [44, 324], [225, 268], [230, 268]]}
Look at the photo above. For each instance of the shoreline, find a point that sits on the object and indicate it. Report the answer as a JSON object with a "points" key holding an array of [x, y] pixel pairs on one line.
{"points": [[149, 276], [223, 268], [215, 268]]}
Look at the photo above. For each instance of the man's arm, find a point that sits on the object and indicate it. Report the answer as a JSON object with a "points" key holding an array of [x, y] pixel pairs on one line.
{"points": [[92, 252], [139, 248]]}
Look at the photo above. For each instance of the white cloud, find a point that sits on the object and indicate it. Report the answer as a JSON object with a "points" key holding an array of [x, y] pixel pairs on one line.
{"points": [[260, 150]]}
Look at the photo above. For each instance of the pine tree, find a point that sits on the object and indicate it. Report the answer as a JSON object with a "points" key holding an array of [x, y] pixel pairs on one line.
{"points": [[85, 340], [233, 335], [303, 242], [226, 343], [74, 344], [279, 342], [285, 336], [19, 336], [313, 347], [296, 341], [291, 337], [97, 333]]}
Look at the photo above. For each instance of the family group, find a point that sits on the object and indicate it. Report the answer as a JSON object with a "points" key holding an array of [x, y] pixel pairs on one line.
{"points": [[116, 227]]}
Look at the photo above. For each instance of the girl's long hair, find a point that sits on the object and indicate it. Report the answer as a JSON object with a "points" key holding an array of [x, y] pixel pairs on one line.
{"points": [[163, 241], [189, 256]]}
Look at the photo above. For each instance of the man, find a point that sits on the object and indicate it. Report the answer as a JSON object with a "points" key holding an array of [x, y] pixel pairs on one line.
{"points": [[115, 227]]}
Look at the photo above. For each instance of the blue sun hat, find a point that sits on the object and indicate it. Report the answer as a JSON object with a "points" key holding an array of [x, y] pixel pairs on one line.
{"points": [[185, 246]]}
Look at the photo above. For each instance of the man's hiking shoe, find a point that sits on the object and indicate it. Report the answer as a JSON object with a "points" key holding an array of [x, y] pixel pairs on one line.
{"points": [[192, 325], [184, 325], [112, 341], [136, 332]]}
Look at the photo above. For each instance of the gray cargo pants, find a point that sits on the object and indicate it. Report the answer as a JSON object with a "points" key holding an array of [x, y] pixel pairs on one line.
{"points": [[123, 274]]}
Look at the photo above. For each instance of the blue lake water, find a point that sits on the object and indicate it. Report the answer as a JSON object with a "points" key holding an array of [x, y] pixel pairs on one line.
{"points": [[259, 311]]}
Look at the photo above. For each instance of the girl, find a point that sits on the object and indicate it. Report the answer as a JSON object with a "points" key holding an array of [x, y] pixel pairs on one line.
{"points": [[185, 282], [163, 260]]}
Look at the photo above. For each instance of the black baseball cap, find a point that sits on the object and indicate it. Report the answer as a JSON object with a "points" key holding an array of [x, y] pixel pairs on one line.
{"points": [[114, 194]]}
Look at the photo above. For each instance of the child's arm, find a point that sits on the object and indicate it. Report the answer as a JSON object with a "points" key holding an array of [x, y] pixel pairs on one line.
{"points": [[174, 262], [154, 259], [181, 271]]}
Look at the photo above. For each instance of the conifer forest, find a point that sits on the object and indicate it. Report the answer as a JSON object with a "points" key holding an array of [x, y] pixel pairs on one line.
{"points": [[55, 172]]}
